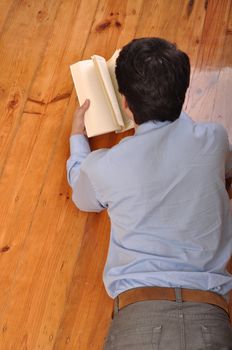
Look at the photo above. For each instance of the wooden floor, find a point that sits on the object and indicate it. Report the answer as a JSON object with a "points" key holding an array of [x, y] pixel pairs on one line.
{"points": [[52, 255]]}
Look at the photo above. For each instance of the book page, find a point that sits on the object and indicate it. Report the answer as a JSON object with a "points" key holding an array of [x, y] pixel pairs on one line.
{"points": [[129, 124], [104, 76], [98, 118]]}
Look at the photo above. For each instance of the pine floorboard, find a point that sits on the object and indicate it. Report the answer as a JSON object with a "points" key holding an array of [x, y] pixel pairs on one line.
{"points": [[52, 255]]}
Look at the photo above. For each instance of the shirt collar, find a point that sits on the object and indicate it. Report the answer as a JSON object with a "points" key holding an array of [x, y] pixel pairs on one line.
{"points": [[151, 124]]}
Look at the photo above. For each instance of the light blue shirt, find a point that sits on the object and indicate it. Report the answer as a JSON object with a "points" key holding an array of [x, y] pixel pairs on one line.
{"points": [[164, 190]]}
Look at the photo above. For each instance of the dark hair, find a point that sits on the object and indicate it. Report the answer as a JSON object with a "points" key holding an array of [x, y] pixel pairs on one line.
{"points": [[153, 75]]}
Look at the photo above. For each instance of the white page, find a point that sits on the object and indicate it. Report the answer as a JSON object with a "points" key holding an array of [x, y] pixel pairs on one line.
{"points": [[98, 118], [129, 124], [107, 86]]}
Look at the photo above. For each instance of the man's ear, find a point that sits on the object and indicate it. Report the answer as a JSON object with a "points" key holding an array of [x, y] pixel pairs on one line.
{"points": [[126, 108]]}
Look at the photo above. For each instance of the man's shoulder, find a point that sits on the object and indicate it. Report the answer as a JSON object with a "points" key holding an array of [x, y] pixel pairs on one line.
{"points": [[210, 129], [215, 131]]}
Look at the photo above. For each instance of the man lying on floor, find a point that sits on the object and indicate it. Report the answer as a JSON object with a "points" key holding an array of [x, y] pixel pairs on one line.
{"points": [[164, 190]]}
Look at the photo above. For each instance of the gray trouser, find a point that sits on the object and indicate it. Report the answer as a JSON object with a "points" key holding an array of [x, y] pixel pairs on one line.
{"points": [[164, 325]]}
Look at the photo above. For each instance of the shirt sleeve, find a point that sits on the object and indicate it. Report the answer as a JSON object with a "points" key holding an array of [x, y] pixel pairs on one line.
{"points": [[83, 192]]}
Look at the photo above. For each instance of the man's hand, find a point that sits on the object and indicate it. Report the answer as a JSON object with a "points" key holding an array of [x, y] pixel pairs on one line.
{"points": [[78, 126]]}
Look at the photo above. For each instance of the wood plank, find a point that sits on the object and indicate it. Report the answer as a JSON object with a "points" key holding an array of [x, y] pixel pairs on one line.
{"points": [[15, 81], [202, 96], [177, 21], [27, 23], [88, 309], [222, 109], [5, 7], [33, 173]]}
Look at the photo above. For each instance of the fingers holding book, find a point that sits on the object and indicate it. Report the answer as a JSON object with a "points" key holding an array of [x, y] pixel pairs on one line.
{"points": [[78, 126]]}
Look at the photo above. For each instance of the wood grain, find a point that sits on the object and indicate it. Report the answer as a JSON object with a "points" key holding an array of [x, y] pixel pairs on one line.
{"points": [[52, 255], [209, 66], [33, 205], [5, 6]]}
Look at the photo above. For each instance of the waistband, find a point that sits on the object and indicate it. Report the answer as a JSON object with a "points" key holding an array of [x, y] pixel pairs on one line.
{"points": [[172, 294]]}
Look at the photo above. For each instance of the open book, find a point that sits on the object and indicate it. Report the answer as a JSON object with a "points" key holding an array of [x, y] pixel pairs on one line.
{"points": [[95, 79]]}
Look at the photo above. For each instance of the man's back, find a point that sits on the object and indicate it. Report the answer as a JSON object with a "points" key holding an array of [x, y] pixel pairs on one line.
{"points": [[170, 219]]}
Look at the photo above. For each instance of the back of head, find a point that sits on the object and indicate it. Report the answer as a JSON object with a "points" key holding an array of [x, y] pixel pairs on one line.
{"points": [[153, 75]]}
